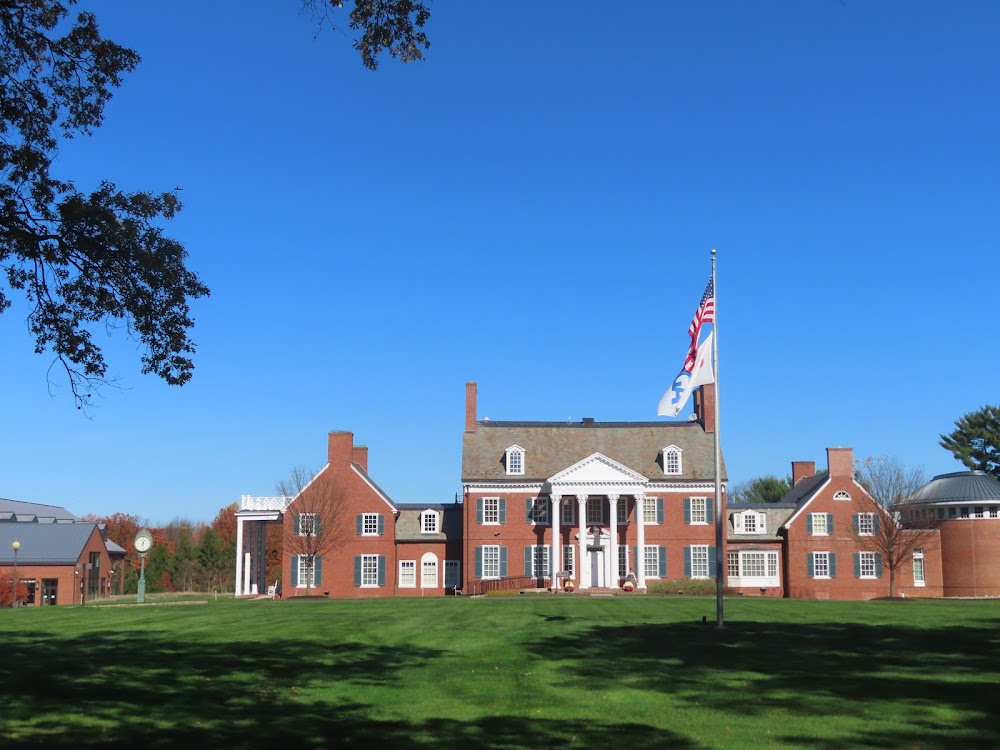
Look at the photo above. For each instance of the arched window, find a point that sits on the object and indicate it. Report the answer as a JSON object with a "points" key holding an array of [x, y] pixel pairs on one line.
{"points": [[514, 460], [429, 571], [672, 460], [841, 495]]}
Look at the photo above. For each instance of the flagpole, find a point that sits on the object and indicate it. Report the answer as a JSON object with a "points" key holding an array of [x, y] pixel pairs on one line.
{"points": [[720, 557]]}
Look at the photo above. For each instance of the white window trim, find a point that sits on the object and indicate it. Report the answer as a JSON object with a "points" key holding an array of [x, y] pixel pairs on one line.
{"points": [[823, 577], [494, 548], [704, 511], [918, 554], [568, 516], [739, 580], [708, 570], [673, 449], [364, 559], [429, 558], [651, 553], [423, 523], [870, 518], [861, 566], [365, 517], [649, 511], [826, 530], [496, 501], [513, 450], [305, 573], [413, 568], [540, 511], [312, 524], [841, 495], [740, 522]]}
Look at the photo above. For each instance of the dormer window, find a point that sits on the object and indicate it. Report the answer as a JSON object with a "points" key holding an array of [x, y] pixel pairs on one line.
{"points": [[514, 459], [750, 522], [672, 460], [429, 522]]}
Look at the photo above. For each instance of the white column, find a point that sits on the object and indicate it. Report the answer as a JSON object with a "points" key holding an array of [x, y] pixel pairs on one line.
{"points": [[581, 516], [612, 573], [555, 508], [640, 558], [246, 575], [238, 582]]}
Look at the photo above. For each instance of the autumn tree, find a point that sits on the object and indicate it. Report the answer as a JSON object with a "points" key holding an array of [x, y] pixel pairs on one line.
{"points": [[216, 560], [976, 440], [318, 524], [890, 524], [767, 489]]}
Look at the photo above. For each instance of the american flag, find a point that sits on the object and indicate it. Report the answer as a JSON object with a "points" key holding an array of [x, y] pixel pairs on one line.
{"points": [[704, 314]]}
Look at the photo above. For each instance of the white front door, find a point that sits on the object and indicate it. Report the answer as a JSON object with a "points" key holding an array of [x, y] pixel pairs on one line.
{"points": [[596, 567]]}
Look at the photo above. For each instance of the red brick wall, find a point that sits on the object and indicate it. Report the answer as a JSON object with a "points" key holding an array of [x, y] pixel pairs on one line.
{"points": [[518, 533], [67, 577], [970, 556]]}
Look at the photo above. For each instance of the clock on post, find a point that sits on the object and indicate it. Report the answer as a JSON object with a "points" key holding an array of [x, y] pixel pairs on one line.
{"points": [[143, 542]]}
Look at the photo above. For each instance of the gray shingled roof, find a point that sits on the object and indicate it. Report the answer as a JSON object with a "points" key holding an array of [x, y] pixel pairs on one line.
{"points": [[961, 486], [408, 523], [551, 447], [44, 543], [803, 489], [22, 512]]}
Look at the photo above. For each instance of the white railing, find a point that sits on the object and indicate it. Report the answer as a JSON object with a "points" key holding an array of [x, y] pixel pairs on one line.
{"points": [[250, 502]]}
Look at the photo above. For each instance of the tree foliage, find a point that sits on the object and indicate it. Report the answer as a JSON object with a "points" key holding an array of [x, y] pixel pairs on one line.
{"points": [[393, 26], [890, 487], [767, 489], [81, 260], [976, 440]]}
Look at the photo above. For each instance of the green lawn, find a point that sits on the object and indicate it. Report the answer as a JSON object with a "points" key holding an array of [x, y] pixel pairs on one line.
{"points": [[524, 671]]}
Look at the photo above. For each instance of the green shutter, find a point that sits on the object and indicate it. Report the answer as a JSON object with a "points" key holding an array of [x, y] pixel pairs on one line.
{"points": [[854, 523], [503, 562], [316, 527], [294, 573], [317, 571], [662, 570], [875, 524], [502, 509], [809, 528], [357, 570], [713, 560], [381, 570], [659, 510], [381, 524], [359, 523], [687, 562], [833, 565], [479, 510], [878, 565], [295, 524], [809, 565], [687, 511], [479, 562], [829, 523], [857, 565], [709, 510], [528, 568], [528, 505], [637, 561]]}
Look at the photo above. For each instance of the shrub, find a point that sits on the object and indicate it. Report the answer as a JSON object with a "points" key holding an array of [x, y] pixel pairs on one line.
{"points": [[687, 587]]}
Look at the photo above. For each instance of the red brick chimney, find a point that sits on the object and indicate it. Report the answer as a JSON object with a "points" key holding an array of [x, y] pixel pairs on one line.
{"points": [[340, 447], [470, 407], [359, 455], [704, 406], [802, 470], [840, 461]]}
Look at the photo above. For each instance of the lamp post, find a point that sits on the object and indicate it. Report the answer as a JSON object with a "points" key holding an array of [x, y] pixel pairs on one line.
{"points": [[15, 545]]}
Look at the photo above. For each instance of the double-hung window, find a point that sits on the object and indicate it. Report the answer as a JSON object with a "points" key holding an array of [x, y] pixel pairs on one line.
{"points": [[429, 522], [866, 524], [491, 561], [821, 565], [491, 510], [696, 510], [699, 561], [369, 570], [307, 524], [819, 524], [595, 510], [407, 574], [370, 524], [652, 510], [867, 564], [569, 559], [536, 561], [569, 511], [918, 568], [537, 509]]}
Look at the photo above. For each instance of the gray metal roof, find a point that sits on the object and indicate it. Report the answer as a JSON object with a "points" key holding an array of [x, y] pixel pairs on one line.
{"points": [[551, 447], [961, 486], [21, 512], [44, 543]]}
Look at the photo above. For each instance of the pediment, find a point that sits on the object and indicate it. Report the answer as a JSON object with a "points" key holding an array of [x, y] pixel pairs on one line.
{"points": [[597, 470]]}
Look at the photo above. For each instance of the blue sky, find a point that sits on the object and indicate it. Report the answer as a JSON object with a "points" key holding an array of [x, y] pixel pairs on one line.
{"points": [[533, 208]]}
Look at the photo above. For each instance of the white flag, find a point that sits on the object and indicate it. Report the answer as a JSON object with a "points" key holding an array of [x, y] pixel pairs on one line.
{"points": [[685, 383]]}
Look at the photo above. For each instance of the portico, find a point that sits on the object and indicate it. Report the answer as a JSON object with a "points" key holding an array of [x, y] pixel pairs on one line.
{"points": [[251, 537], [600, 488]]}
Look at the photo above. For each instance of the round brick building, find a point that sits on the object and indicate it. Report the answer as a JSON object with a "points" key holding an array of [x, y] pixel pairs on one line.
{"points": [[966, 507]]}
